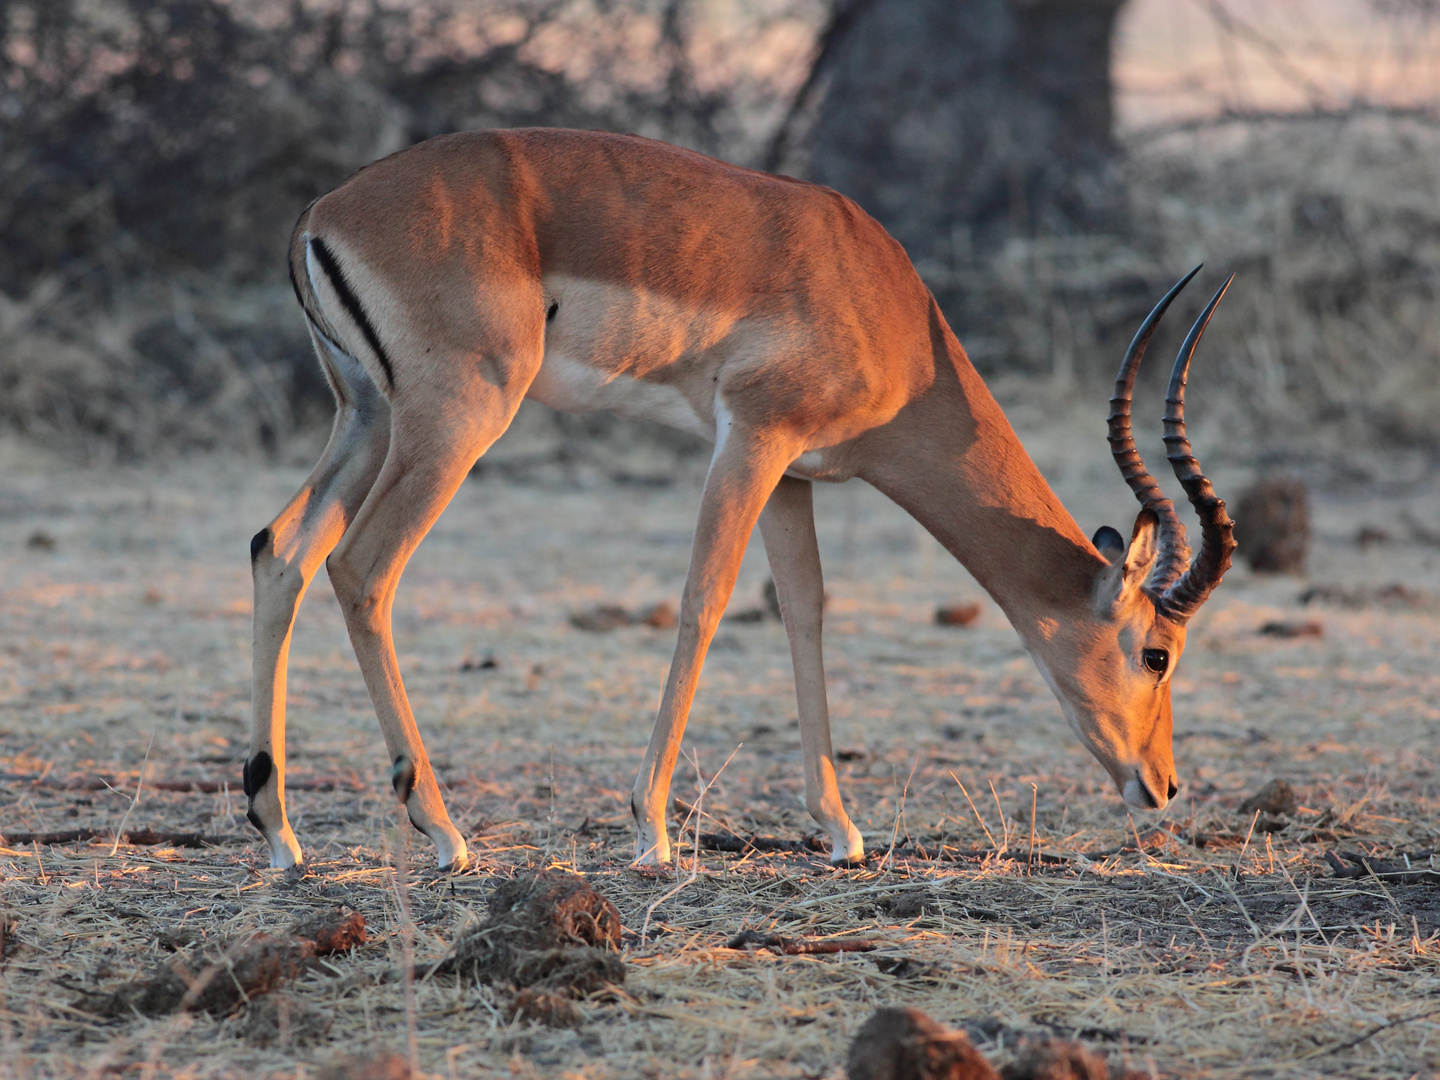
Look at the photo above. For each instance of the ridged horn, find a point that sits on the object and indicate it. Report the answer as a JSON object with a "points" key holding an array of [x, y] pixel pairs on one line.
{"points": [[1174, 551], [1183, 598]]}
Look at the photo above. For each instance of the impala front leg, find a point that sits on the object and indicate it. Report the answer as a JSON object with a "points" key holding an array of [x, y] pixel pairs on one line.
{"points": [[788, 526], [742, 475]]}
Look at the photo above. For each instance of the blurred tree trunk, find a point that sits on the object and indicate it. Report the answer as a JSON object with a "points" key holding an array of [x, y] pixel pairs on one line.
{"points": [[959, 124]]}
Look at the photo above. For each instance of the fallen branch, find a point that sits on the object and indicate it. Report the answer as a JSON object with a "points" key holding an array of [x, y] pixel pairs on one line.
{"points": [[1368, 866], [100, 783], [792, 947], [734, 843], [137, 837]]}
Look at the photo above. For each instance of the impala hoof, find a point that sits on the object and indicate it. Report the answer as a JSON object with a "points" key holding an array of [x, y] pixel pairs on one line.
{"points": [[656, 853], [846, 846], [451, 853], [285, 852], [458, 865]]}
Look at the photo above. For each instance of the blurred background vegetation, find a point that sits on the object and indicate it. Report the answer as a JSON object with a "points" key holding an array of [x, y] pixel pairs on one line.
{"points": [[1050, 165]]}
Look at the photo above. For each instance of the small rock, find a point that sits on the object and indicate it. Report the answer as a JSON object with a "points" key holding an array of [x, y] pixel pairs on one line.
{"points": [[40, 540], [489, 663], [905, 1044], [1276, 797], [957, 614], [1272, 525]]}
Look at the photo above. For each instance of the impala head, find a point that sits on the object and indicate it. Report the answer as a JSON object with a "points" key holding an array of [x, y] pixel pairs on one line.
{"points": [[1111, 667]]}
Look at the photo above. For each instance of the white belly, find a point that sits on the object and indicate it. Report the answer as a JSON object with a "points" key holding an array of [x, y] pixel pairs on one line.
{"points": [[574, 386]]}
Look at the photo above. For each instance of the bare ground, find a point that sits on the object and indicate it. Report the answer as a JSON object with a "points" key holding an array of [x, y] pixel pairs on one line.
{"points": [[1204, 947]]}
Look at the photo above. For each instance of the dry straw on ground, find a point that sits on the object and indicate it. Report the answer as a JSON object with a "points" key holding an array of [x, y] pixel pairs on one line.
{"points": [[1207, 942]]}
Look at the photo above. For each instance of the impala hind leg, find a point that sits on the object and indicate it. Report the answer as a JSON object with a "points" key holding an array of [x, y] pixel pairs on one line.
{"points": [[433, 444], [284, 557], [742, 476], [788, 526]]}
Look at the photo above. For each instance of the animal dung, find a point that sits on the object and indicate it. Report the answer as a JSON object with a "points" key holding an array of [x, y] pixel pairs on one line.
{"points": [[220, 982], [957, 614], [606, 617], [905, 1044], [548, 932], [912, 905], [1059, 1059], [1276, 797], [1293, 628], [1272, 525]]}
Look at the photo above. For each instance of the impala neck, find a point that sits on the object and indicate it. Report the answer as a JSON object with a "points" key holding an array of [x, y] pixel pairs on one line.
{"points": [[953, 462]]}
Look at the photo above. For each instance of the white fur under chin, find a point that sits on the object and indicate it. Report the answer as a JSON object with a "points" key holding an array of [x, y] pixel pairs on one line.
{"points": [[1135, 795]]}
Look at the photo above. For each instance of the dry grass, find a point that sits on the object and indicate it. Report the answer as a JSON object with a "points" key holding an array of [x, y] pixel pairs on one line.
{"points": [[1242, 957], [1329, 337]]}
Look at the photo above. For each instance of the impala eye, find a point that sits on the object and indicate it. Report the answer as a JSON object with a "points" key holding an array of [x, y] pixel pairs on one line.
{"points": [[1157, 660]]}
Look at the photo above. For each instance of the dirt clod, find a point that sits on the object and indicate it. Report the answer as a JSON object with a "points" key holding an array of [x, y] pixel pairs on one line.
{"points": [[1276, 797], [957, 614], [542, 1007], [282, 1021], [912, 905], [1272, 525], [368, 1067], [551, 931], [905, 1044], [221, 980]]}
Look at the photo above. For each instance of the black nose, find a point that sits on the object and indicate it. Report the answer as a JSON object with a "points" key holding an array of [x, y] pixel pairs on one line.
{"points": [[1174, 787]]}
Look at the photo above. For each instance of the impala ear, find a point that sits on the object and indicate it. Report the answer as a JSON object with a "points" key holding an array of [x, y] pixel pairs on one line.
{"points": [[1127, 575]]}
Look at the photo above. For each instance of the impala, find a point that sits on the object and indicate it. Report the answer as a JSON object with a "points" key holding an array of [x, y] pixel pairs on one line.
{"points": [[448, 282]]}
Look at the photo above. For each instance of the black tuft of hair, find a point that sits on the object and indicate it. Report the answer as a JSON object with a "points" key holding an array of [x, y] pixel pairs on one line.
{"points": [[1108, 542], [256, 773], [402, 778]]}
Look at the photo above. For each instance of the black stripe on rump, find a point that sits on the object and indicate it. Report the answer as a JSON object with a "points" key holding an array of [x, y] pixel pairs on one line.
{"points": [[352, 304]]}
